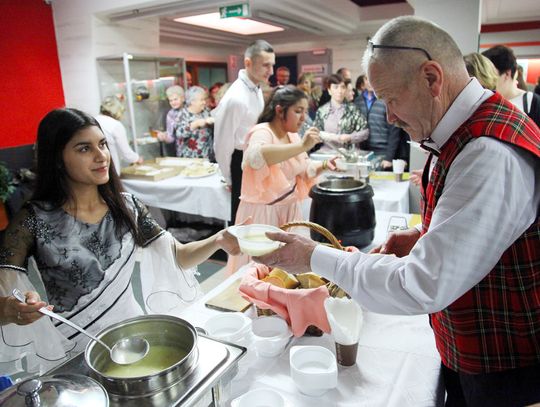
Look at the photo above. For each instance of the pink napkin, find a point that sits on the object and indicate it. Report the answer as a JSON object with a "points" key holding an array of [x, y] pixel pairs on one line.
{"points": [[300, 308]]}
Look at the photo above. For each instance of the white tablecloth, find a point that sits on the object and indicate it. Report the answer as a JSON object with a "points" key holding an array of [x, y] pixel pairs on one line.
{"points": [[208, 197], [397, 363]]}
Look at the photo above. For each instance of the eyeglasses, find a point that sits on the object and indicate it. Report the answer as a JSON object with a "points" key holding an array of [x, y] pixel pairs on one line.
{"points": [[372, 46]]}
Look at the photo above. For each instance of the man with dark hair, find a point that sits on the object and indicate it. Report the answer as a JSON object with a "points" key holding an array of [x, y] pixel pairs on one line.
{"points": [[505, 61], [283, 75], [238, 112], [474, 265]]}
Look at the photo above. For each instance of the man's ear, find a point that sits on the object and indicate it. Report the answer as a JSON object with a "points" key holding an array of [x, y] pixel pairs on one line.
{"points": [[248, 63], [432, 72]]}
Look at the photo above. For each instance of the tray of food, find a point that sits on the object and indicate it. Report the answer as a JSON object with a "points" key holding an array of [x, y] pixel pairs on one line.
{"points": [[199, 169], [149, 172], [178, 161]]}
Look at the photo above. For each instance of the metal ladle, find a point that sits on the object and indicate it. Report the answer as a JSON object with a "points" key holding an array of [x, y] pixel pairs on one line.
{"points": [[124, 352]]}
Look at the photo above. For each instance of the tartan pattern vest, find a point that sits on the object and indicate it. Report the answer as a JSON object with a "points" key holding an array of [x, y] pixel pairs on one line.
{"points": [[494, 326]]}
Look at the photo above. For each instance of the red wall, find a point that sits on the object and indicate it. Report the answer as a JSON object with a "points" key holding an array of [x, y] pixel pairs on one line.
{"points": [[30, 84]]}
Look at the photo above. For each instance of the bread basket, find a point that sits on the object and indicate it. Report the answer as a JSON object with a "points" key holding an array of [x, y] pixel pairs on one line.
{"points": [[333, 289]]}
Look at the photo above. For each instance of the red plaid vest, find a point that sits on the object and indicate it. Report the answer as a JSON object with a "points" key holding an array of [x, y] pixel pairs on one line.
{"points": [[496, 325]]}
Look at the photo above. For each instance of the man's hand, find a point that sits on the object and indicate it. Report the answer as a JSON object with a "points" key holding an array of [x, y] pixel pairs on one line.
{"points": [[416, 177], [294, 257], [399, 243]]}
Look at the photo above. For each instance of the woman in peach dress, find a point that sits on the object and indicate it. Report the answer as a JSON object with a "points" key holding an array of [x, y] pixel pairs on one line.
{"points": [[277, 173]]}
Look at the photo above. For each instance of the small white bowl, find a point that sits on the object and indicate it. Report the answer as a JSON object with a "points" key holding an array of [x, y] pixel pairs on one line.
{"points": [[260, 398], [270, 335], [228, 326], [313, 369], [252, 238]]}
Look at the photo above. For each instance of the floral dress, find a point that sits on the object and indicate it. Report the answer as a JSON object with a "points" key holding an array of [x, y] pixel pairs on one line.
{"points": [[194, 143]]}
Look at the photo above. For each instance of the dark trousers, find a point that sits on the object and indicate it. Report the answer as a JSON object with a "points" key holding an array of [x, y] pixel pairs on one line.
{"points": [[510, 388], [236, 178]]}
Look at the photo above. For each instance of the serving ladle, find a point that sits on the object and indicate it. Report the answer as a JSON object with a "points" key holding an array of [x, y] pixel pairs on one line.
{"points": [[124, 352]]}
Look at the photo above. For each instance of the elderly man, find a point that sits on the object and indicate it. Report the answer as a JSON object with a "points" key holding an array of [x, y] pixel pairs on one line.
{"points": [[238, 112], [283, 75], [475, 264]]}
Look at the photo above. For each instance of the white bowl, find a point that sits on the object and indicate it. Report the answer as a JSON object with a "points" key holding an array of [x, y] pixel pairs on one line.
{"points": [[313, 369], [252, 238], [228, 326], [260, 398], [270, 335]]}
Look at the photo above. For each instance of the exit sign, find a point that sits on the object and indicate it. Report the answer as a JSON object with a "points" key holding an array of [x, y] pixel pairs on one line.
{"points": [[236, 10]]}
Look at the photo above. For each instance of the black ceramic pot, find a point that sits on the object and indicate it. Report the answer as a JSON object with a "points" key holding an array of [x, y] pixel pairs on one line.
{"points": [[344, 207]]}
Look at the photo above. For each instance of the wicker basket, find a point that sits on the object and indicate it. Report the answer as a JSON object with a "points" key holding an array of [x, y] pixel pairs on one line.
{"points": [[333, 289]]}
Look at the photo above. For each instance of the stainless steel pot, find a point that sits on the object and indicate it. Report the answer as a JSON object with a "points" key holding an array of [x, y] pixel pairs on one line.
{"points": [[158, 330]]}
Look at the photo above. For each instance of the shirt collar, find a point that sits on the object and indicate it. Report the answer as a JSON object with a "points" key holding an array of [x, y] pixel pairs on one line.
{"points": [[242, 74], [466, 103], [334, 106]]}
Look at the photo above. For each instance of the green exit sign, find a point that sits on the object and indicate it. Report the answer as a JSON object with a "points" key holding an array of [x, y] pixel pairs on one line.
{"points": [[236, 10]]}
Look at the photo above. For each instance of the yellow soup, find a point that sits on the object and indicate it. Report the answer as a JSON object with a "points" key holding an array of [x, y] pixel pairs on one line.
{"points": [[159, 357]]}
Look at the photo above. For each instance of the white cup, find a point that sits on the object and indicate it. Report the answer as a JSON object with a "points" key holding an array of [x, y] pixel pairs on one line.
{"points": [[228, 326], [398, 166], [313, 369], [270, 335], [260, 398]]}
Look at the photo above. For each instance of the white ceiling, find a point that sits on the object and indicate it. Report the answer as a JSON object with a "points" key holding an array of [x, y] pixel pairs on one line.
{"points": [[307, 19]]}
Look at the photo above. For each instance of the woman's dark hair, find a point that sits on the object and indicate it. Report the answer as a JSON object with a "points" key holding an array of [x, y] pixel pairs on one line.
{"points": [[54, 132], [503, 58], [284, 96], [334, 79]]}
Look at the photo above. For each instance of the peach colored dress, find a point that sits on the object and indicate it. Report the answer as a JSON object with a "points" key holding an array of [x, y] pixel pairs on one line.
{"points": [[263, 184]]}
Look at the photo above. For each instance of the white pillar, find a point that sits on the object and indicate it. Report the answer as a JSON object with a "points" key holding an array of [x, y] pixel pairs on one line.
{"points": [[460, 18]]}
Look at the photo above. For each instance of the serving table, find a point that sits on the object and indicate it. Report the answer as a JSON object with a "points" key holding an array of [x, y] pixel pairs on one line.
{"points": [[397, 363], [208, 197]]}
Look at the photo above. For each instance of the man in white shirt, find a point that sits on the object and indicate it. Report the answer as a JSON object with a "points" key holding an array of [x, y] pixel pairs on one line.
{"points": [[238, 112], [475, 265]]}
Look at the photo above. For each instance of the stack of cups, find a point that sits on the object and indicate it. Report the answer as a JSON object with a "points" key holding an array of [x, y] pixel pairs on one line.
{"points": [[398, 166], [345, 318]]}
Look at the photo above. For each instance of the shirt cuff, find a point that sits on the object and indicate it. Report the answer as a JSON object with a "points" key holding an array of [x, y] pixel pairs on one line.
{"points": [[325, 260]]}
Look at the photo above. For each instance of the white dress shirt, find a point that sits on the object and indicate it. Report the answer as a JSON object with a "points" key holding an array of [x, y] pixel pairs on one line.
{"points": [[235, 115], [491, 196], [116, 136]]}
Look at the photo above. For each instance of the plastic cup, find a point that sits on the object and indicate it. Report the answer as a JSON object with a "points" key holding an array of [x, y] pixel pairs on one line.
{"points": [[398, 166], [346, 354]]}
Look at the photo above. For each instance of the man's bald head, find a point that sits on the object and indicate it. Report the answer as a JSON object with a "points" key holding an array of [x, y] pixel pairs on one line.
{"points": [[409, 31]]}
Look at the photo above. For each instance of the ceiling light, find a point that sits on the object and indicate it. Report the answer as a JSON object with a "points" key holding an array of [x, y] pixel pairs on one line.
{"points": [[237, 25]]}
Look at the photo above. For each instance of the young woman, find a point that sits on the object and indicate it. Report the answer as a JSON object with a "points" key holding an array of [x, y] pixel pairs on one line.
{"points": [[277, 173], [82, 232]]}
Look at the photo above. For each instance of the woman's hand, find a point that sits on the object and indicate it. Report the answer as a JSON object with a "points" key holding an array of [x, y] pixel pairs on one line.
{"points": [[210, 121], [311, 138], [195, 124], [228, 242], [344, 138], [16, 312], [162, 136]]}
